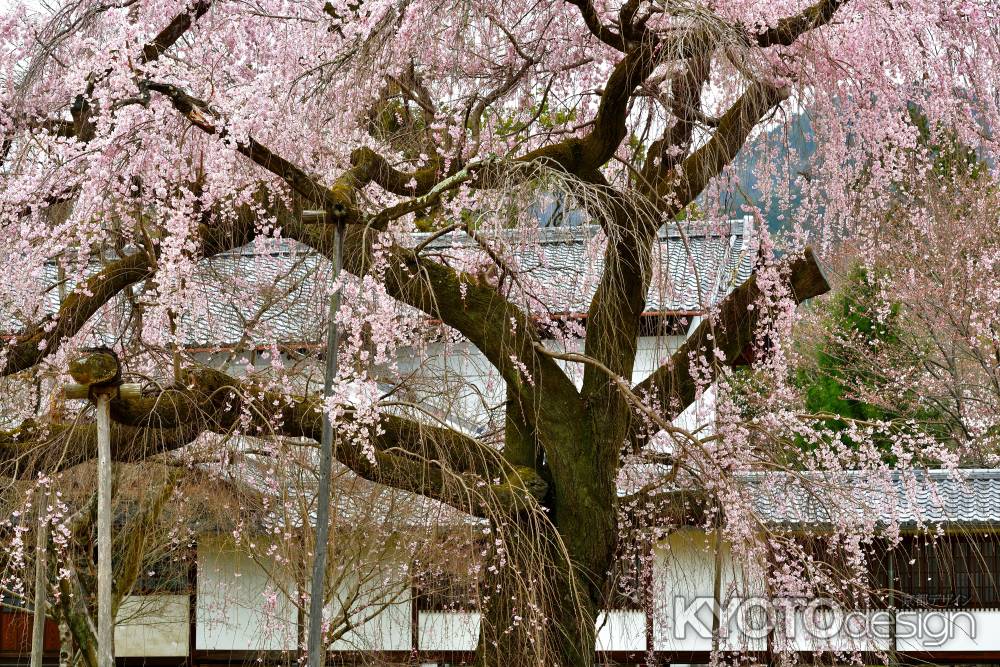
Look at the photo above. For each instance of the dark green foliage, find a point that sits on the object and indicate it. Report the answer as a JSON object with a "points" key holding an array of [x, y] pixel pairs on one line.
{"points": [[861, 341], [861, 334], [856, 334]]}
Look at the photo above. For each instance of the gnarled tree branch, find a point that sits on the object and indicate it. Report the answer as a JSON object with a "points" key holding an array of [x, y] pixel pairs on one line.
{"points": [[174, 31], [593, 21], [730, 331], [436, 462], [791, 28], [39, 340]]}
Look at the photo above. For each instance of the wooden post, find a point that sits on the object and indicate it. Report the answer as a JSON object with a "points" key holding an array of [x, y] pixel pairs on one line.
{"points": [[894, 643], [105, 624], [649, 598], [41, 577], [315, 647], [98, 377]]}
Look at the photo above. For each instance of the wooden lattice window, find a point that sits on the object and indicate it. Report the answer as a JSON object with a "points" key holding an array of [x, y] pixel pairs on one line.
{"points": [[952, 571], [15, 633]]}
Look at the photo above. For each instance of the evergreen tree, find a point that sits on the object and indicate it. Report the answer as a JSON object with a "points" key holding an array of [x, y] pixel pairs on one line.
{"points": [[858, 328]]}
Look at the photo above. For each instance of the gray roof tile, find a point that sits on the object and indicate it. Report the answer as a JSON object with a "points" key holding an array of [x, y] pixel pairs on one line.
{"points": [[913, 499], [714, 257], [273, 291]]}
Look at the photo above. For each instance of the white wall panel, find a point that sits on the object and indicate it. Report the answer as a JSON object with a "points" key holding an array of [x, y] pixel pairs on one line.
{"points": [[621, 631], [959, 631], [388, 630], [239, 607], [448, 631], [152, 626]]}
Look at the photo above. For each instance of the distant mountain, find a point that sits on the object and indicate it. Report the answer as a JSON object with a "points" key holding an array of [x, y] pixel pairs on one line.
{"points": [[797, 137]]}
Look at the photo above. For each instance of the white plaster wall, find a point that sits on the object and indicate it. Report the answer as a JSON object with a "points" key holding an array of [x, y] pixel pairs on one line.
{"points": [[459, 631], [974, 630], [232, 615], [448, 631], [621, 631], [653, 352], [685, 568], [683, 575], [387, 630], [152, 626], [456, 380], [839, 632], [472, 384], [235, 611]]}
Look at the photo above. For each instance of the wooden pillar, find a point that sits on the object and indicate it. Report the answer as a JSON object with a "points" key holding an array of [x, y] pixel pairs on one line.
{"points": [[192, 576], [414, 616], [105, 623], [649, 595], [894, 643], [98, 377], [717, 586], [41, 578]]}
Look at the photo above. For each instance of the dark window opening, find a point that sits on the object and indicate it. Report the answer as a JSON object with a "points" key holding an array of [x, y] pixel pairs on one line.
{"points": [[951, 571], [165, 576], [629, 582], [445, 591]]}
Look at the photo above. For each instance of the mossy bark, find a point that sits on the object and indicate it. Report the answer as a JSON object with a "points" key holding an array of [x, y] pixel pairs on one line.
{"points": [[536, 607], [546, 575]]}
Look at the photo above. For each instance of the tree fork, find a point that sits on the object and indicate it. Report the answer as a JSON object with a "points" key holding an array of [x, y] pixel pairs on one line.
{"points": [[729, 331]]}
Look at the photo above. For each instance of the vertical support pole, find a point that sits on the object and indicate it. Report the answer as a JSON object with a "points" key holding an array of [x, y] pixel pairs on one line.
{"points": [[41, 576], [316, 648], [717, 587], [105, 625], [192, 577], [894, 646], [414, 615], [649, 600]]}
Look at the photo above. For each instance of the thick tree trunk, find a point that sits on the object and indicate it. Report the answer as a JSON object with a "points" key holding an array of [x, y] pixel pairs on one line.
{"points": [[536, 611], [546, 577], [77, 618]]}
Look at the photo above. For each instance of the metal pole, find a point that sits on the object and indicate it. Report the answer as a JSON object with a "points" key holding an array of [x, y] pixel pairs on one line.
{"points": [[105, 626], [316, 650], [717, 587], [41, 551]]}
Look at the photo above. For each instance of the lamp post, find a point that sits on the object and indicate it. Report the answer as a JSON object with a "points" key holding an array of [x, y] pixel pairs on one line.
{"points": [[315, 648]]}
